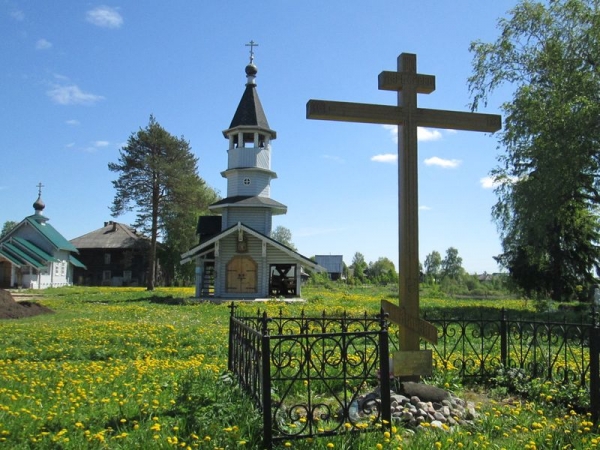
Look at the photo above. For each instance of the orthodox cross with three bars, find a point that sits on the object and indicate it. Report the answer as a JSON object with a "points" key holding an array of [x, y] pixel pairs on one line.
{"points": [[408, 83], [252, 44]]}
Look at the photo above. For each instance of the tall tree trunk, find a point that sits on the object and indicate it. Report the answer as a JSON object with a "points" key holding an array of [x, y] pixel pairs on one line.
{"points": [[153, 233]]}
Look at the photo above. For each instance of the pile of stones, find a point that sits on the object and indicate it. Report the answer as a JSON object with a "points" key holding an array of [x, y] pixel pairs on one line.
{"points": [[416, 403]]}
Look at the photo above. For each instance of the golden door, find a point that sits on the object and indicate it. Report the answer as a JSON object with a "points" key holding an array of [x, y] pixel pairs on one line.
{"points": [[241, 275]]}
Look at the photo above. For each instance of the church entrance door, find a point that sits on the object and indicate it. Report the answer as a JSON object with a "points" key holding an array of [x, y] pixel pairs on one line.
{"points": [[241, 275]]}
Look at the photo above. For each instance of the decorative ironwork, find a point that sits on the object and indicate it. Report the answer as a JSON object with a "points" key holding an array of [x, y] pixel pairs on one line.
{"points": [[477, 348], [312, 376], [317, 376]]}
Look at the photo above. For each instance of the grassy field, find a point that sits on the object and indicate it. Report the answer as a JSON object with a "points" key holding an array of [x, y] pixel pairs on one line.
{"points": [[125, 368]]}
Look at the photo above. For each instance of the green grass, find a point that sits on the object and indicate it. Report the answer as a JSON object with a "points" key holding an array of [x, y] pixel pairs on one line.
{"points": [[125, 368]]}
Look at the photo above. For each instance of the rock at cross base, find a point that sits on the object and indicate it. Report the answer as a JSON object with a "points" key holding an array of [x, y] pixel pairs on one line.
{"points": [[425, 392]]}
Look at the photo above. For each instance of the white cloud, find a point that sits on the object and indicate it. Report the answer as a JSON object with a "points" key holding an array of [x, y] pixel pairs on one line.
{"points": [[426, 134], [104, 16], [43, 44], [424, 208], [72, 95], [492, 183], [73, 122], [18, 15], [393, 129], [423, 134], [444, 163], [334, 158], [487, 182], [385, 158], [95, 145]]}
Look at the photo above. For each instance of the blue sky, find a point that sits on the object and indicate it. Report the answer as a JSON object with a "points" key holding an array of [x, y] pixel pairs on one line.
{"points": [[78, 78]]}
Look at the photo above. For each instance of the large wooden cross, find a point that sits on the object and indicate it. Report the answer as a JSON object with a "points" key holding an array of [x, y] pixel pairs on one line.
{"points": [[408, 83]]}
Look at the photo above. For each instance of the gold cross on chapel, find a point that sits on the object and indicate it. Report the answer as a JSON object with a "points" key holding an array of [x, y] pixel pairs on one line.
{"points": [[408, 83]]}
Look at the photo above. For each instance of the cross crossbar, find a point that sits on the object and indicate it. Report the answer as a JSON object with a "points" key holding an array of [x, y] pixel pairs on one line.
{"points": [[395, 115]]}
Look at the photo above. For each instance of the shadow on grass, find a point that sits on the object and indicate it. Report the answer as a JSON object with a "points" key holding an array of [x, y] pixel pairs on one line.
{"points": [[495, 314], [137, 298]]}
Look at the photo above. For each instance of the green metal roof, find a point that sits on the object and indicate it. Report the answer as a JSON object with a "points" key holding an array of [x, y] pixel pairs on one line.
{"points": [[34, 249], [76, 262], [51, 234], [11, 258], [22, 256]]}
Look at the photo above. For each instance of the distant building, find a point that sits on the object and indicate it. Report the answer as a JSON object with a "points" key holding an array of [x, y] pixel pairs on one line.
{"points": [[334, 264], [236, 257], [115, 255], [35, 255]]}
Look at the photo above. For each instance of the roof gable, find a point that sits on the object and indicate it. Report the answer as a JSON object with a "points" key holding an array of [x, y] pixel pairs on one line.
{"points": [[111, 235], [190, 254], [50, 233], [333, 263]]}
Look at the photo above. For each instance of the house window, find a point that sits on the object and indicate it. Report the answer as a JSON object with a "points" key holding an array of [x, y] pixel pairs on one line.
{"points": [[107, 258], [246, 181], [106, 275], [127, 275]]}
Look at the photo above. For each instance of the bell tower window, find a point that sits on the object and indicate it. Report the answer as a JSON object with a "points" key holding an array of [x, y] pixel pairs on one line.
{"points": [[247, 181]]}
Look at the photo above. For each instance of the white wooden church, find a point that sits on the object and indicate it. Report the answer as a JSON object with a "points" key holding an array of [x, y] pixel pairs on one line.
{"points": [[235, 257], [34, 255]]}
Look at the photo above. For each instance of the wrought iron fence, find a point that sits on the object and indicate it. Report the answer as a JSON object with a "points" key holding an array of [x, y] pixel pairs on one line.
{"points": [[312, 376], [476, 348], [561, 352], [307, 374]]}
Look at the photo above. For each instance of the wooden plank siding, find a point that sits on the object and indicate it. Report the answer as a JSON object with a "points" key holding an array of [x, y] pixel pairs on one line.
{"points": [[258, 219], [227, 250], [259, 183], [249, 157], [32, 235]]}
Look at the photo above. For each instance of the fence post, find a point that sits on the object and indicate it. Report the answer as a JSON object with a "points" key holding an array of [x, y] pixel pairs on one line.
{"points": [[594, 366], [384, 373], [503, 338], [266, 383], [230, 350]]}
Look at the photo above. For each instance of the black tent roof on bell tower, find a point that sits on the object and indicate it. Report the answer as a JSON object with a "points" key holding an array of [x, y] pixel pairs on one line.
{"points": [[249, 112]]}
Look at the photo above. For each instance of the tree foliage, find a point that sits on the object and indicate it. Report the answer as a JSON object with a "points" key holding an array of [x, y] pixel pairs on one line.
{"points": [[451, 266], [7, 227], [433, 265], [547, 180], [283, 235], [158, 178], [382, 271], [359, 266]]}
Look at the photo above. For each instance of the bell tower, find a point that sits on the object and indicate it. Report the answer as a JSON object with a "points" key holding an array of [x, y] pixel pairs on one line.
{"points": [[249, 171]]}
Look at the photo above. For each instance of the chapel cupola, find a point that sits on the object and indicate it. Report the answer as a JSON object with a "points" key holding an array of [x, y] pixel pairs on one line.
{"points": [[249, 171], [39, 205]]}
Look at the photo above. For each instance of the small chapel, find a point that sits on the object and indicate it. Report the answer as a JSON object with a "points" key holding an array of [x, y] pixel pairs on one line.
{"points": [[34, 255], [235, 256]]}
